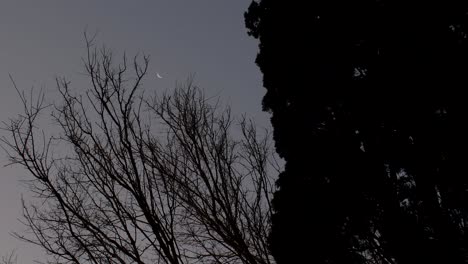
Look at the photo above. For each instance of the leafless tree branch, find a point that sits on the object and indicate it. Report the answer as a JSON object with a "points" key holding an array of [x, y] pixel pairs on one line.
{"points": [[195, 188]]}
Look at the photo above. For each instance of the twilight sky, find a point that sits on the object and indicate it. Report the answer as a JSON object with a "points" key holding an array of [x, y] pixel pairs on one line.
{"points": [[41, 40]]}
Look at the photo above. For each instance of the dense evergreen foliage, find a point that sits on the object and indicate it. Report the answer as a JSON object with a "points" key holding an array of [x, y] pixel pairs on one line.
{"points": [[369, 109]]}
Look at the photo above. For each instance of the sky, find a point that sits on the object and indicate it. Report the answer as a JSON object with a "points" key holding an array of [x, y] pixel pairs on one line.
{"points": [[42, 40]]}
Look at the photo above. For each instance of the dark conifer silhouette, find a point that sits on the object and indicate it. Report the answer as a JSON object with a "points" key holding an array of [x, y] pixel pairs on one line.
{"points": [[368, 110]]}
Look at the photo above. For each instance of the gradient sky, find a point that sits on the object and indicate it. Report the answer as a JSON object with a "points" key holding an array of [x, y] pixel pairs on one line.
{"points": [[41, 40]]}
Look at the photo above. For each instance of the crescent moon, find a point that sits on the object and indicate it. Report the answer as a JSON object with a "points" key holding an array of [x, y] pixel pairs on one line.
{"points": [[159, 76]]}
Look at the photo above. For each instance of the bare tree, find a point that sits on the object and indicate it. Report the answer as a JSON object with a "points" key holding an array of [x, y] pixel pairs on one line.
{"points": [[9, 258], [145, 179]]}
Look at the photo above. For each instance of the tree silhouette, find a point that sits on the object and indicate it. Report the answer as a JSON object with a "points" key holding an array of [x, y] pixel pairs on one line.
{"points": [[132, 178], [9, 258], [368, 110]]}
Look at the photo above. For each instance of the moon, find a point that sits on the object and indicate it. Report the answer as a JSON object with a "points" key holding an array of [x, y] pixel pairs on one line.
{"points": [[159, 76]]}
